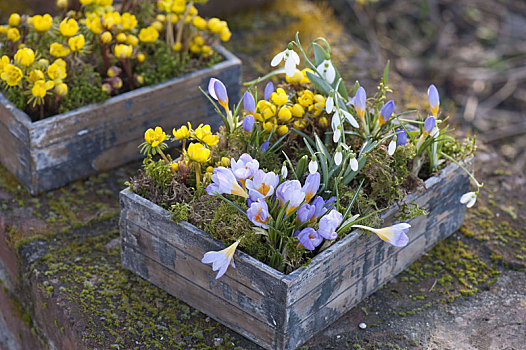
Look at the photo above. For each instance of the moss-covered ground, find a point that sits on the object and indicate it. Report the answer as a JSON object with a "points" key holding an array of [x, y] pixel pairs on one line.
{"points": [[80, 270]]}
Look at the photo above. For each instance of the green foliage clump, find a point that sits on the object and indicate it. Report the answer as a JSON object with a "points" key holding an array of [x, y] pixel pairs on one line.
{"points": [[227, 223], [157, 171], [16, 97], [180, 211], [84, 88]]}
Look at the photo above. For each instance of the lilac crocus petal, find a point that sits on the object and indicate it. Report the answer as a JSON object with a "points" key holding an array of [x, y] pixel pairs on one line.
{"points": [[269, 89], [258, 213], [305, 212], [386, 111], [290, 192], [225, 182], [244, 167], [434, 99], [220, 92], [311, 186], [359, 102], [221, 259], [329, 223], [262, 185], [429, 124], [264, 147], [309, 238], [249, 104], [211, 88], [395, 235], [248, 123], [320, 207], [401, 137]]}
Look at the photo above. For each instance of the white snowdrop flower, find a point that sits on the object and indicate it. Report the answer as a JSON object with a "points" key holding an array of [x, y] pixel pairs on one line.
{"points": [[336, 135], [338, 158], [313, 166], [354, 164], [435, 132], [291, 59], [327, 71], [350, 118], [468, 199], [329, 105], [392, 147], [284, 171]]}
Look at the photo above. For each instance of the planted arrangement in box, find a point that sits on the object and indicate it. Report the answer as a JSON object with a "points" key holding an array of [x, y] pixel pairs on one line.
{"points": [[51, 65], [298, 166]]}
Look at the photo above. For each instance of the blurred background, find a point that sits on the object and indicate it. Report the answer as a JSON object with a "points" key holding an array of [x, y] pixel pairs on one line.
{"points": [[474, 51]]}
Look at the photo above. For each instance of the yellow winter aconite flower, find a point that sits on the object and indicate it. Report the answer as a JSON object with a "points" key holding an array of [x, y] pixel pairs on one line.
{"points": [[111, 19], [177, 47], [141, 57], [282, 130], [11, 74], [183, 132], [106, 37], [323, 122], [121, 37], [132, 40], [104, 2], [25, 57], [199, 22], [86, 2], [298, 111], [266, 110], [62, 4], [216, 25], [306, 98], [284, 115], [225, 34], [304, 73], [76, 43], [128, 21], [204, 134], [123, 51], [319, 105], [198, 153], [58, 50], [42, 23], [61, 89], [157, 25], [93, 24], [154, 137], [225, 161], [279, 97], [148, 35], [69, 27], [4, 61], [296, 78], [13, 34], [57, 71], [14, 20], [41, 87]]}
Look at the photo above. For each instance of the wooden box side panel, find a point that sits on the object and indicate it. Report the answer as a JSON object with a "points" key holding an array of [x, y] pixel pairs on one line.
{"points": [[94, 138], [169, 255], [349, 281]]}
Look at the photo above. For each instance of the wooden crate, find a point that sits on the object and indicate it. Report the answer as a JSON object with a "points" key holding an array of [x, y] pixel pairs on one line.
{"points": [[275, 310], [50, 153]]}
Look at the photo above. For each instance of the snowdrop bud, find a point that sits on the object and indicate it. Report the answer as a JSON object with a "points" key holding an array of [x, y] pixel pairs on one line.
{"points": [[392, 146], [313, 165], [338, 156], [469, 199], [329, 104], [435, 132], [284, 171], [353, 163]]}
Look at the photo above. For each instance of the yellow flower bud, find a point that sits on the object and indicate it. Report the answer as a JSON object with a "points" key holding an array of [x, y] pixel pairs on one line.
{"points": [[76, 43], [14, 20], [58, 50], [42, 23], [141, 57], [62, 4], [148, 35], [11, 74], [121, 37], [111, 19], [155, 137], [157, 25], [132, 40], [266, 109], [69, 27], [298, 111], [204, 134], [57, 71], [279, 97], [61, 89], [225, 161], [206, 50], [198, 153], [41, 87], [295, 79], [128, 21], [25, 57], [94, 25], [305, 79], [268, 126], [225, 34], [182, 133], [323, 122], [177, 47], [284, 115], [161, 18], [140, 79], [282, 130], [123, 51], [106, 37], [199, 23], [175, 166], [198, 40], [35, 75], [306, 98], [13, 34], [104, 2], [86, 2], [210, 169]]}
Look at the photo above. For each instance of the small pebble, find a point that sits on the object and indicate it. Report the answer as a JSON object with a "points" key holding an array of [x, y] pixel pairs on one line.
{"points": [[362, 325]]}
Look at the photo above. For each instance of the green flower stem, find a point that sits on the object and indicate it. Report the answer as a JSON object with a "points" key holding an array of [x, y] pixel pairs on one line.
{"points": [[197, 174], [478, 184], [165, 159]]}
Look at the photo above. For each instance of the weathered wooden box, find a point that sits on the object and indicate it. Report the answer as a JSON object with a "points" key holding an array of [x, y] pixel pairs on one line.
{"points": [[55, 151], [275, 310]]}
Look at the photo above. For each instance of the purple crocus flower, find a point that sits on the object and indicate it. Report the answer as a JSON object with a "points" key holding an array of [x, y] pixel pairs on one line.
{"points": [[429, 124], [311, 186], [264, 147], [262, 185], [290, 192], [269, 89], [224, 182], [305, 213], [395, 235], [329, 223], [258, 213], [248, 103], [401, 139], [359, 102], [309, 238], [222, 259], [320, 207], [434, 99], [385, 112], [244, 167], [217, 90], [248, 123]]}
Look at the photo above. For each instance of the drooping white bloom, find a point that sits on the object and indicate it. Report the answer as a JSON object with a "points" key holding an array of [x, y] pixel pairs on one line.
{"points": [[392, 147], [468, 199], [353, 163], [327, 71], [338, 158], [350, 118], [329, 105], [336, 135], [291, 59], [284, 171], [435, 132], [313, 166]]}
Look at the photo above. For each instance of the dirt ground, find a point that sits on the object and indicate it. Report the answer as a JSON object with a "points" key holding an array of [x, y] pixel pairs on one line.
{"points": [[63, 286]]}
